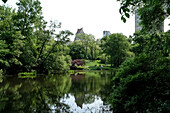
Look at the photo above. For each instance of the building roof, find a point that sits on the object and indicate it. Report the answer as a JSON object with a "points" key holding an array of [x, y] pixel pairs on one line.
{"points": [[79, 30]]}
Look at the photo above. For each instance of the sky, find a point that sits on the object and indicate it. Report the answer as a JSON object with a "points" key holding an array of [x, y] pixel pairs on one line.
{"points": [[94, 16]]}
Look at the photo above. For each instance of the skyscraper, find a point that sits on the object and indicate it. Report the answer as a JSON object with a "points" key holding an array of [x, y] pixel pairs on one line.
{"points": [[79, 31], [137, 21], [106, 33]]}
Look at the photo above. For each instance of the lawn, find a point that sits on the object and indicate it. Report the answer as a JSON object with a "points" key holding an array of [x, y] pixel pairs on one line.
{"points": [[93, 63], [90, 65]]}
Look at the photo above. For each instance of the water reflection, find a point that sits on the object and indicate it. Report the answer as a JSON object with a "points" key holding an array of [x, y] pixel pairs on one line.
{"points": [[80, 92], [96, 106]]}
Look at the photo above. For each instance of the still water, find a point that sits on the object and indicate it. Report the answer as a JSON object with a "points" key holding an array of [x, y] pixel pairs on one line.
{"points": [[81, 92]]}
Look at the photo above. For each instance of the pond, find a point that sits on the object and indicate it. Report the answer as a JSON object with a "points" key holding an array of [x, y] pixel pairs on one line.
{"points": [[81, 92]]}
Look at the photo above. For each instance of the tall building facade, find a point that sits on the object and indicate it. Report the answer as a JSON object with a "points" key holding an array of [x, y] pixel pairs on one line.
{"points": [[79, 31], [106, 33], [137, 21]]}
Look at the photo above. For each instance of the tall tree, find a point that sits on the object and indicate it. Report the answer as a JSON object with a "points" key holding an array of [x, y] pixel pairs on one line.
{"points": [[87, 40], [11, 40], [76, 50], [27, 43], [91, 45], [117, 47]]}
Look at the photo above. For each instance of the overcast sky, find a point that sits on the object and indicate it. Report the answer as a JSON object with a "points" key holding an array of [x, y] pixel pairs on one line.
{"points": [[94, 16]]}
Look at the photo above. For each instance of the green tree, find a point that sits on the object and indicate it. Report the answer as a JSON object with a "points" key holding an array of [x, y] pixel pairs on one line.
{"points": [[76, 50], [88, 43], [27, 43], [97, 49], [147, 73], [11, 41], [117, 47], [29, 16], [91, 45]]}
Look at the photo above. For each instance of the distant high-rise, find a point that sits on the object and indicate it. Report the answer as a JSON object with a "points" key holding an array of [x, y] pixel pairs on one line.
{"points": [[79, 31], [106, 33], [137, 21]]}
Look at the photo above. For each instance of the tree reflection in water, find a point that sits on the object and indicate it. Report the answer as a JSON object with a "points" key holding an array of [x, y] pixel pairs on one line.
{"points": [[55, 93]]}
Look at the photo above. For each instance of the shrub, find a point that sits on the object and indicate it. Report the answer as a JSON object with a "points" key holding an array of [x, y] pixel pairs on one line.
{"points": [[78, 62], [142, 85], [57, 64]]}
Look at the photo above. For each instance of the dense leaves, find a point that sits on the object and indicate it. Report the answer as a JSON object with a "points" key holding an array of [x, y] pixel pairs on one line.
{"points": [[86, 47], [76, 50], [152, 12], [117, 47], [28, 44], [142, 84]]}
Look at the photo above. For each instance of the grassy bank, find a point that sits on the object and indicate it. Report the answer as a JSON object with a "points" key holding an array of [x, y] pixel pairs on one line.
{"points": [[95, 65]]}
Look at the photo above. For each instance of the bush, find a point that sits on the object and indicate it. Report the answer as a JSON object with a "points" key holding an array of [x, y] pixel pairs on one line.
{"points": [[142, 84], [78, 62], [58, 64]]}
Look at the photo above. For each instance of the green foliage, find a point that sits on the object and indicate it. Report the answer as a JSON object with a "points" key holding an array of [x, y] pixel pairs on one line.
{"points": [[11, 41], [76, 50], [58, 64], [151, 43], [104, 58], [158, 11], [27, 75], [88, 43], [85, 48], [117, 47], [142, 84], [27, 43]]}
